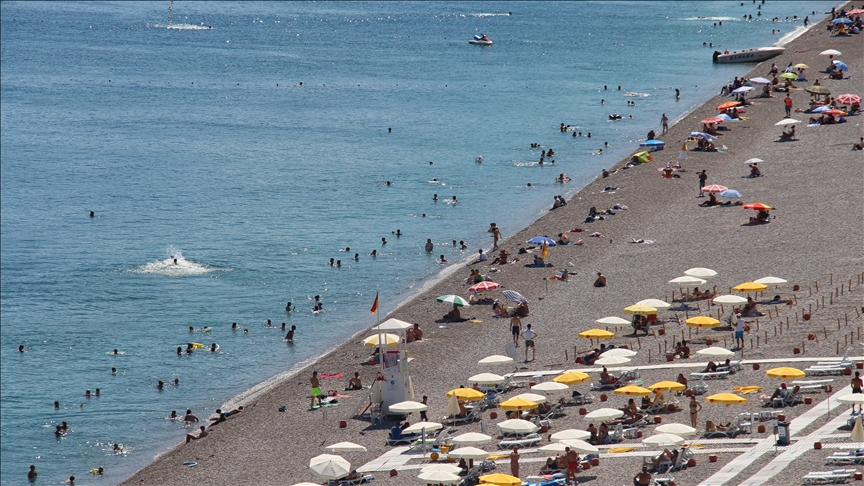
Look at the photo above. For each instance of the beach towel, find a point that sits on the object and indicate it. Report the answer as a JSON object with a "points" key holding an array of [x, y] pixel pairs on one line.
{"points": [[744, 390], [619, 450], [331, 375]]}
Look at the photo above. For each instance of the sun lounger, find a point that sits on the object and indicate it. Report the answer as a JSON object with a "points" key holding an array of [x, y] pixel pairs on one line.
{"points": [[699, 387], [401, 440], [828, 477], [826, 370], [526, 441], [622, 380], [664, 480], [733, 367], [848, 457], [730, 433], [502, 387], [709, 376], [349, 482], [582, 399], [474, 414]]}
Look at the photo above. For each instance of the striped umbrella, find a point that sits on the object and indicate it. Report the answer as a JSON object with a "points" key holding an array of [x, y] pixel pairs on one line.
{"points": [[514, 296], [484, 286], [454, 299]]}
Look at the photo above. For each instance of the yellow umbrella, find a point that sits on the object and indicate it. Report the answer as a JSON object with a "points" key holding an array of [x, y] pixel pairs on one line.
{"points": [[640, 309], [750, 287], [374, 340], [468, 394], [667, 386], [702, 321], [517, 404], [572, 378], [785, 372], [500, 480], [726, 399], [596, 334], [636, 391]]}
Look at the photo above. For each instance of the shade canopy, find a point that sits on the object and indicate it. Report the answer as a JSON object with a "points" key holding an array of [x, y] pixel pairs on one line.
{"points": [[770, 281], [857, 434], [495, 359], [572, 378], [627, 353], [688, 281], [677, 429], [393, 325], [715, 352], [702, 321], [605, 414], [531, 397], [726, 399], [418, 427], [750, 287], [667, 386], [640, 309], [499, 479], [517, 404], [377, 340], [570, 434], [345, 447], [471, 438], [550, 387], [730, 299], [469, 394], [434, 476], [656, 303], [663, 440], [441, 466], [407, 407], [468, 453], [486, 379], [613, 321], [785, 372], [852, 398], [612, 360], [329, 466], [596, 334], [517, 426], [632, 390], [454, 299], [581, 446], [700, 272]]}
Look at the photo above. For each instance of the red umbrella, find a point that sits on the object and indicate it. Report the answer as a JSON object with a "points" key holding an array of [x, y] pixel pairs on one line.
{"points": [[714, 188], [857, 11], [757, 206], [728, 104], [711, 119], [848, 99], [484, 286]]}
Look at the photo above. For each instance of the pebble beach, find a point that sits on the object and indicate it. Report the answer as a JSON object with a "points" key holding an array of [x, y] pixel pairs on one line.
{"points": [[813, 183]]}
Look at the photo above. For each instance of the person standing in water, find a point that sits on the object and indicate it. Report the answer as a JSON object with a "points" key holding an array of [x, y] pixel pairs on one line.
{"points": [[290, 336]]}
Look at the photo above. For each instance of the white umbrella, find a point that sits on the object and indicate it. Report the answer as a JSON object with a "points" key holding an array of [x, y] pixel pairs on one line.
{"points": [[605, 414], [438, 477], [663, 440], [677, 429], [830, 52], [451, 468], [495, 359], [613, 321], [612, 360], [770, 281], [715, 352], [419, 426], [729, 299], [743, 89], [329, 466], [580, 446], [852, 398], [570, 434], [857, 430], [687, 281], [486, 379], [532, 397], [471, 438], [787, 121], [517, 426], [759, 81], [554, 448], [700, 272], [345, 447], [754, 160], [550, 387], [453, 406], [655, 303], [408, 407], [627, 353], [468, 453]]}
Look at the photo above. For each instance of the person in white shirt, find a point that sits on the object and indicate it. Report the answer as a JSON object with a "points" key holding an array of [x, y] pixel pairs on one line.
{"points": [[739, 331], [529, 336]]}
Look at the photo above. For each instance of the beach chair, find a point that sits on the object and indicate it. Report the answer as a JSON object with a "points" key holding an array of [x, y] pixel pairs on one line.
{"points": [[350, 482], [832, 369], [710, 376], [843, 361], [828, 477], [812, 385], [433, 441], [664, 480], [734, 366], [616, 434], [745, 422], [491, 401], [502, 387], [618, 383], [699, 387], [525, 441], [394, 438], [729, 433], [848, 457], [790, 400], [474, 414], [582, 399]]}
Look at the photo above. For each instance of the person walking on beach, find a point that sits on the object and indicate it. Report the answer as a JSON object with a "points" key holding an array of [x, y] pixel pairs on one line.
{"points": [[857, 385], [529, 336], [695, 408], [664, 122], [516, 329], [514, 462], [496, 234], [739, 331], [788, 105], [423, 417], [703, 178], [316, 390]]}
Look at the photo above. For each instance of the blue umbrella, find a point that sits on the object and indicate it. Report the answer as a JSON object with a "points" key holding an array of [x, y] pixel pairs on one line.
{"points": [[841, 20], [539, 240], [820, 109], [652, 143], [706, 136], [841, 65], [726, 117], [731, 194]]}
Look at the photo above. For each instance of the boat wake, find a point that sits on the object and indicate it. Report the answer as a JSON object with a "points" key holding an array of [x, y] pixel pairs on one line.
{"points": [[174, 266], [182, 27]]}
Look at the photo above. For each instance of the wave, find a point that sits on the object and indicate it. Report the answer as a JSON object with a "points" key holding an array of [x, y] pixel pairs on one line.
{"points": [[481, 15], [638, 95], [722, 19], [182, 27], [791, 35], [174, 266]]}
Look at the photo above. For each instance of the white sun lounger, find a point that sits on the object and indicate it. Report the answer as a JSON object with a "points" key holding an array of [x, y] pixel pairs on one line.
{"points": [[849, 457], [828, 477], [826, 370], [526, 441], [710, 376]]}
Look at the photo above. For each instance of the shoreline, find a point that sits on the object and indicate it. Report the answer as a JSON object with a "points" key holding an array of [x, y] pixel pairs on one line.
{"points": [[273, 385]]}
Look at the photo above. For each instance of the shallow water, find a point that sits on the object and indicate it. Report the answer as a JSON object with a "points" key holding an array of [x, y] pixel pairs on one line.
{"points": [[199, 144]]}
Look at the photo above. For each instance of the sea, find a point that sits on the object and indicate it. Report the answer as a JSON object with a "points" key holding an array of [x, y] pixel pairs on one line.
{"points": [[253, 142]]}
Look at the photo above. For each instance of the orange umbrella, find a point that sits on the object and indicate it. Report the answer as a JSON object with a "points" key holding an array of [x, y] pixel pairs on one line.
{"points": [[711, 119], [757, 206], [835, 112], [728, 104]]}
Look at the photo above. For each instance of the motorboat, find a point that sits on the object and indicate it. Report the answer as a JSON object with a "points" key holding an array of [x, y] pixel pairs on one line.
{"points": [[480, 40], [758, 54]]}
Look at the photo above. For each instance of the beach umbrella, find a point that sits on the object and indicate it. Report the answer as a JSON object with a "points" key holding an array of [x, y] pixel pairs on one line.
{"points": [[821, 109], [572, 378], [754, 160], [830, 53], [785, 372], [642, 157], [556, 447], [848, 99], [471, 438], [539, 240], [715, 352], [787, 121], [683, 154], [499, 479], [419, 426], [757, 206], [329, 466], [727, 105], [726, 399], [702, 321], [663, 440], [706, 136], [605, 414], [495, 359], [626, 353], [596, 334], [517, 404], [469, 453], [453, 407], [376, 340], [801, 65], [841, 20], [438, 477], [451, 468], [688, 281], [408, 407], [570, 434], [700, 272], [770, 281], [453, 299], [750, 287], [680, 430], [613, 321], [345, 447], [853, 398], [712, 119], [580, 446], [731, 194], [835, 112], [484, 286], [714, 188], [517, 426], [468, 394], [818, 90], [855, 11], [760, 81], [667, 386], [514, 296], [632, 390], [857, 434], [743, 89], [652, 143], [550, 387], [486, 379], [642, 310], [531, 397], [612, 360], [726, 117], [841, 65], [791, 76], [655, 303], [729, 299]]}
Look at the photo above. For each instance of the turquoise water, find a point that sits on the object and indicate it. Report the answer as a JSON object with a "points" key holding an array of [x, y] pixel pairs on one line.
{"points": [[199, 143]]}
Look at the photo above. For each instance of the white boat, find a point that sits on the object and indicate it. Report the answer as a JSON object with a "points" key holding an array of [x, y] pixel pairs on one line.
{"points": [[758, 54], [480, 40]]}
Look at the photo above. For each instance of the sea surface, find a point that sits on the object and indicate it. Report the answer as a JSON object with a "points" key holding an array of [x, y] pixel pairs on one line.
{"points": [[195, 140]]}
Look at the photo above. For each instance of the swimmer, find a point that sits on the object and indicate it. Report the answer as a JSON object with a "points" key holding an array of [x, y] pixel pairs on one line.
{"points": [[179, 350], [269, 323], [398, 232], [159, 386], [387, 183], [356, 257], [213, 348], [338, 263], [234, 324], [87, 393], [431, 163], [463, 245], [175, 261], [98, 392], [602, 102], [173, 415], [443, 260], [290, 336], [383, 241], [117, 448], [71, 480], [332, 262], [424, 215], [528, 185], [434, 197], [190, 417], [374, 253], [288, 308], [347, 248], [191, 329], [455, 201], [606, 144], [21, 348], [283, 326], [92, 214], [31, 476], [245, 331], [56, 404], [176, 382], [454, 242]]}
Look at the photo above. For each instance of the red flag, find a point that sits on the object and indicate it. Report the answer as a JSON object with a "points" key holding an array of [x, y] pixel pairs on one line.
{"points": [[374, 308]]}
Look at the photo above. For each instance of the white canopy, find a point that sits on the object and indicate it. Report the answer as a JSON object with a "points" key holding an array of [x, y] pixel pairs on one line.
{"points": [[687, 281], [770, 281], [715, 352], [570, 434], [700, 272], [438, 477], [655, 303], [677, 429], [663, 440], [580, 446], [611, 360], [532, 397], [613, 321], [393, 325], [329, 466], [468, 453], [550, 387], [605, 414], [419, 426], [451, 468], [496, 359], [730, 299], [626, 353], [852, 398], [471, 438], [517, 426], [486, 379], [408, 407], [345, 447]]}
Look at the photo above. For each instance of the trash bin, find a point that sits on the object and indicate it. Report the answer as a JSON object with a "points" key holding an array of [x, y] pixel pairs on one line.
{"points": [[782, 433]]}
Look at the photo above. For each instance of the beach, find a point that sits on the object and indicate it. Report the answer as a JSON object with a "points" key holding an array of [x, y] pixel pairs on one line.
{"points": [[812, 183]]}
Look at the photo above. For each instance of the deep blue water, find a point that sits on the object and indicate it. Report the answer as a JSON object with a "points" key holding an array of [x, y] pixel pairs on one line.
{"points": [[200, 143]]}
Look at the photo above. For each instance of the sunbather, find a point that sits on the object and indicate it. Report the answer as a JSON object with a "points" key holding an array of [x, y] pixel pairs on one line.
{"points": [[712, 427], [665, 456], [605, 377], [780, 392], [712, 201], [453, 315], [710, 368]]}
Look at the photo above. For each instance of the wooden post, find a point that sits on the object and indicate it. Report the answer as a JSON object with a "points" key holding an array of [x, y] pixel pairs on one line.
{"points": [[757, 325], [757, 342], [639, 342], [810, 308], [803, 347], [817, 286], [795, 298], [832, 279], [825, 332], [838, 347], [566, 356], [690, 333], [766, 337], [830, 302], [649, 355], [659, 348], [724, 341], [775, 330], [838, 324], [857, 314], [796, 316], [811, 291], [787, 322]]}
